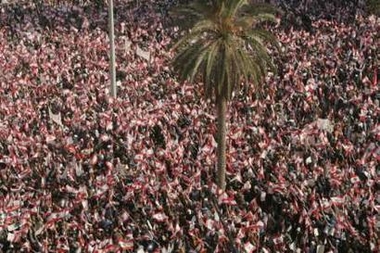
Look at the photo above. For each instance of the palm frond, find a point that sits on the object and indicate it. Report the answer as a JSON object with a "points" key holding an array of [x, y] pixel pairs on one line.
{"points": [[210, 65], [201, 58], [264, 36], [201, 28], [184, 61], [224, 47], [233, 6]]}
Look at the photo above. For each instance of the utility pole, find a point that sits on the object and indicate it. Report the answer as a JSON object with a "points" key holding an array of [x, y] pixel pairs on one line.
{"points": [[112, 49]]}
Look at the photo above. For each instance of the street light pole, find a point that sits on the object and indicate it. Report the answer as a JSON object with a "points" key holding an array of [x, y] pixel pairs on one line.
{"points": [[112, 49]]}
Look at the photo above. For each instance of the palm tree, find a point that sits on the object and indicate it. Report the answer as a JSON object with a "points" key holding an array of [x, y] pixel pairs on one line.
{"points": [[225, 47]]}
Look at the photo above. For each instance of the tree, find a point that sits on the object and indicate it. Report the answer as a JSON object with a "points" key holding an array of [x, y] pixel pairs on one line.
{"points": [[225, 47], [112, 49]]}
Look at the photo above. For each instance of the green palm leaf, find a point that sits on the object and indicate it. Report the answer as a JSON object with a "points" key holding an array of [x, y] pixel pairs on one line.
{"points": [[223, 36]]}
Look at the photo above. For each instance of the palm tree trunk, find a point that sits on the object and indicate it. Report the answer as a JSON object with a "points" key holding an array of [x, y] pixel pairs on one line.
{"points": [[221, 150]]}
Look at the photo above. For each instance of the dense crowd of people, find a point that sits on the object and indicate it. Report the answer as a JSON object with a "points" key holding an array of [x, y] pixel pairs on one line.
{"points": [[81, 170]]}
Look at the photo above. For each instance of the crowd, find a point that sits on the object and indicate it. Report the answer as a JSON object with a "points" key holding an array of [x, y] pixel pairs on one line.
{"points": [[331, 74], [85, 171]]}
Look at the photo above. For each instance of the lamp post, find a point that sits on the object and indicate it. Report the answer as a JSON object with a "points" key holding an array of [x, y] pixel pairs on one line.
{"points": [[112, 49]]}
